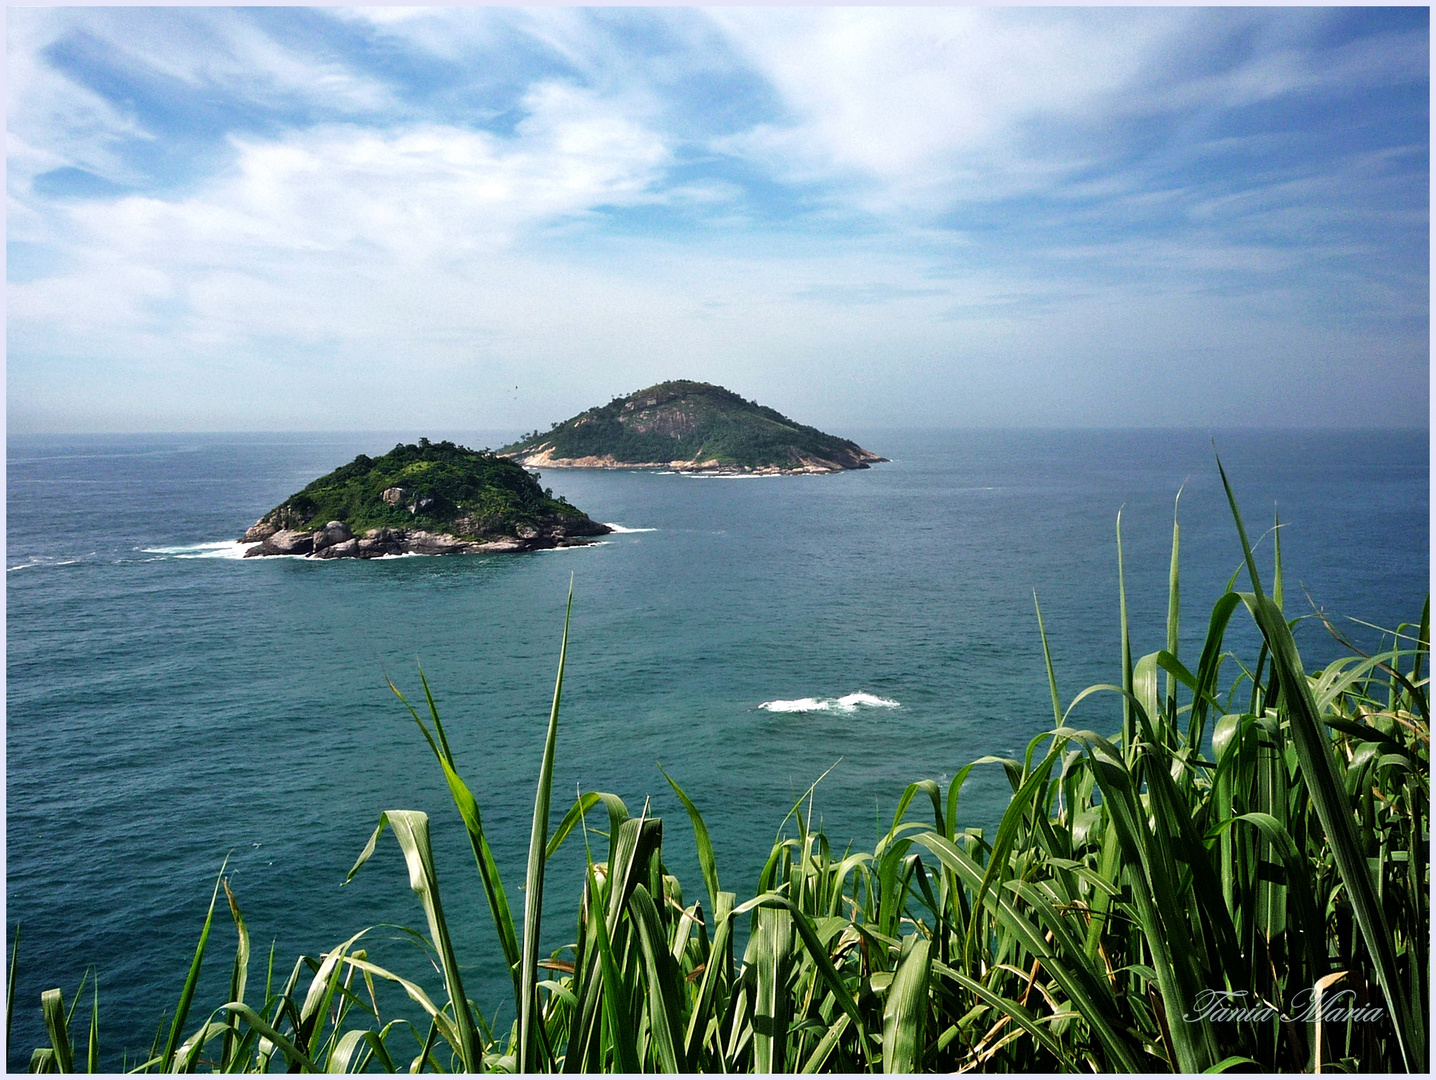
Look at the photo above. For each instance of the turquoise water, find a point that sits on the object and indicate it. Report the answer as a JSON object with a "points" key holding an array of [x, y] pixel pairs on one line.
{"points": [[170, 705]]}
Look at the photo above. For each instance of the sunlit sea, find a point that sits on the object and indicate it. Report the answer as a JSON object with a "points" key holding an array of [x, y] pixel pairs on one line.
{"points": [[171, 706]]}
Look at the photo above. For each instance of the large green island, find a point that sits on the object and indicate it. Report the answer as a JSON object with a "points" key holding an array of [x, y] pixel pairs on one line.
{"points": [[421, 499], [690, 426]]}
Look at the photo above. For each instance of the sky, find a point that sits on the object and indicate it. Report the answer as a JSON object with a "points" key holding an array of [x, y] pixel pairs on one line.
{"points": [[266, 219]]}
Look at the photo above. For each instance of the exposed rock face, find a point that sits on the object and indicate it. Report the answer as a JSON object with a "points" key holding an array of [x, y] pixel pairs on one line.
{"points": [[260, 530], [334, 541], [345, 549], [282, 542], [336, 532], [394, 495]]}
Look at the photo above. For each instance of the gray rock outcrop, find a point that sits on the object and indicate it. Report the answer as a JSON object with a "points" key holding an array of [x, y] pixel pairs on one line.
{"points": [[283, 542], [336, 541]]}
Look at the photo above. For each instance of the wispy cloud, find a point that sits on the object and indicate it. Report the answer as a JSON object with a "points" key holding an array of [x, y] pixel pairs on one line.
{"points": [[284, 217]]}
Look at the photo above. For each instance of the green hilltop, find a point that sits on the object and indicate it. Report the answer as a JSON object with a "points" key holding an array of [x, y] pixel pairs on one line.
{"points": [[437, 488], [689, 425]]}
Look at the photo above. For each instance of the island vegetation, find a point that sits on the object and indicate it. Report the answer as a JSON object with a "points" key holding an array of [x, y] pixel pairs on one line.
{"points": [[1233, 877], [692, 426], [421, 498]]}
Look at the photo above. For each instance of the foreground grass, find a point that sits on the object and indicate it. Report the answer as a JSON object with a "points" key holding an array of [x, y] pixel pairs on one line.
{"points": [[1237, 879]]}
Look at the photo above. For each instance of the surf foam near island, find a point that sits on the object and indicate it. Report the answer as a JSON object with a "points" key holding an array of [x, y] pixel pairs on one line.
{"points": [[845, 704], [219, 549]]}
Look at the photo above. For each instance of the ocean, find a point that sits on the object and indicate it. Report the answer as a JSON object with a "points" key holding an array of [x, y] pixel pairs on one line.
{"points": [[171, 706]]}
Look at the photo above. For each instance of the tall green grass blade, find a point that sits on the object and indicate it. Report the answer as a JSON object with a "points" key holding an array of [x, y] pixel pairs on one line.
{"points": [[905, 1011], [320, 994], [615, 998], [238, 977], [1241, 533], [187, 1057], [1333, 810], [1231, 1063], [1276, 591], [1047, 659], [380, 1052], [42, 1060], [10, 983], [1129, 735], [411, 829], [824, 1050], [187, 993], [713, 973], [1020, 1016], [1332, 806], [441, 1021], [998, 866], [770, 958], [1148, 866], [468, 808], [530, 1042], [1298, 876], [296, 1057], [706, 862], [343, 1054], [663, 984], [52, 1004], [821, 961], [92, 1058], [1174, 601], [617, 815]]}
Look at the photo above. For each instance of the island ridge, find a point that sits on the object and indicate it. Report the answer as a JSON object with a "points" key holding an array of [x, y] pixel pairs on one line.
{"points": [[690, 426]]}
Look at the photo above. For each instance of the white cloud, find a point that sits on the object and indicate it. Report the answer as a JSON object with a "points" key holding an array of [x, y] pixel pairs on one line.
{"points": [[55, 121], [930, 102], [343, 200], [336, 271], [51, 121]]}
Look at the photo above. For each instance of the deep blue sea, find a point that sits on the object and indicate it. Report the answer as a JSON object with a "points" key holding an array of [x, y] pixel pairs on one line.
{"points": [[169, 705]]}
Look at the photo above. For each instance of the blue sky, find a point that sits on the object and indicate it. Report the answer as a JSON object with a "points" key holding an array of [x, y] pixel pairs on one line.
{"points": [[288, 218]]}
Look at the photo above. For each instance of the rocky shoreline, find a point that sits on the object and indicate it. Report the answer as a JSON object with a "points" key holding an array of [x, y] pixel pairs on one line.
{"points": [[336, 541], [808, 465]]}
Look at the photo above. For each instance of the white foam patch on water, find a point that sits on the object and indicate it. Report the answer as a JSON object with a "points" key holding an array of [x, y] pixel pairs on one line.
{"points": [[625, 529], [48, 561], [219, 549], [845, 704], [576, 547]]}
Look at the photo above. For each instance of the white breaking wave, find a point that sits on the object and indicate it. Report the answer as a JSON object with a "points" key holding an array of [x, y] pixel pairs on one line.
{"points": [[576, 547], [219, 549], [625, 529], [845, 704]]}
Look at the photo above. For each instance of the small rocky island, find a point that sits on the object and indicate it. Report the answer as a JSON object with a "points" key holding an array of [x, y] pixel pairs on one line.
{"points": [[421, 499], [689, 426]]}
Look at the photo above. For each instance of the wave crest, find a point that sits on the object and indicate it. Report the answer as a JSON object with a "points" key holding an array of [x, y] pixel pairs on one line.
{"points": [[221, 549], [845, 704]]}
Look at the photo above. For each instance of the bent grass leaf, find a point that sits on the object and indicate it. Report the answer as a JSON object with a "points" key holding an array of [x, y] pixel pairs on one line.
{"points": [[531, 1043]]}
